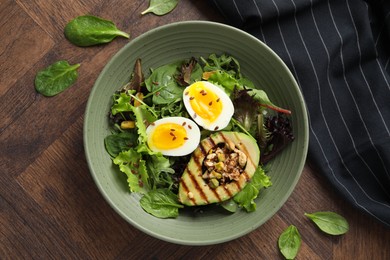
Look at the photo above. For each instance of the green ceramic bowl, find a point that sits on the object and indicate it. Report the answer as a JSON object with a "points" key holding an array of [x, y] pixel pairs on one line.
{"points": [[179, 41]]}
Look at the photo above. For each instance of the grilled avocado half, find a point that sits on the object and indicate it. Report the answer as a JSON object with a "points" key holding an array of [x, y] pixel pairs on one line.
{"points": [[193, 188]]}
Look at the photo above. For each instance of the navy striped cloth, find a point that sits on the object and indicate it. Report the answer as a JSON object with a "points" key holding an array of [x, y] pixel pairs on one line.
{"points": [[339, 52]]}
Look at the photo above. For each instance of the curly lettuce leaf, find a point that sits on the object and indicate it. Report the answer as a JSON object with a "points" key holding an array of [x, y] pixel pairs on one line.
{"points": [[121, 103], [223, 62], [130, 162], [246, 197]]}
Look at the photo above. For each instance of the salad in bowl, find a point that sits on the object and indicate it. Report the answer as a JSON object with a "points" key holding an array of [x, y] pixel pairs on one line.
{"points": [[195, 132]]}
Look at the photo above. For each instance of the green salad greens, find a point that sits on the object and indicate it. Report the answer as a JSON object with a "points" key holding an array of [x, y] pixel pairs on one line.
{"points": [[143, 101]]}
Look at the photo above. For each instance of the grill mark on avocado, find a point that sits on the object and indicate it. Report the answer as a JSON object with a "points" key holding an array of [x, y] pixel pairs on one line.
{"points": [[197, 160], [184, 186], [216, 194], [228, 191]]}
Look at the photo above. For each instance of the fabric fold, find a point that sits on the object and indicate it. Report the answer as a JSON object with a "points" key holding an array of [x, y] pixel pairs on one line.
{"points": [[338, 52]]}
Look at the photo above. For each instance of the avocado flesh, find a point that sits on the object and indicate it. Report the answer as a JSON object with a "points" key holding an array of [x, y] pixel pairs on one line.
{"points": [[193, 189]]}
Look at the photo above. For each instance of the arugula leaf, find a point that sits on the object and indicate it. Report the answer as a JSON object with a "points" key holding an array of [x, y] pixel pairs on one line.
{"points": [[119, 142], [88, 30], [161, 203], [160, 171], [130, 162], [224, 63], [329, 222], [289, 242], [56, 78], [245, 198], [161, 7]]}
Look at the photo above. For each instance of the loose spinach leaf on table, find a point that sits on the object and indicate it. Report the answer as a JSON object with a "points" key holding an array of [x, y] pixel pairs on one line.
{"points": [[161, 203], [289, 242], [88, 30], [161, 7], [56, 78], [329, 222]]}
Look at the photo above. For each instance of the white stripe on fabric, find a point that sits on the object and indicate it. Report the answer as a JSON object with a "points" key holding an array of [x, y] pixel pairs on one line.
{"points": [[314, 134], [361, 69], [322, 112], [338, 106], [261, 20], [220, 10], [238, 11], [340, 183], [349, 87], [284, 42], [382, 29], [387, 63], [377, 60]]}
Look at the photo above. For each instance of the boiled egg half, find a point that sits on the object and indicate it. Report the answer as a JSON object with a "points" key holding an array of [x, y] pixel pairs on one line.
{"points": [[208, 105], [173, 136]]}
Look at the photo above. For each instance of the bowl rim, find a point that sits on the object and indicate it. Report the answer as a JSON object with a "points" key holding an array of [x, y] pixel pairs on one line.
{"points": [[106, 195]]}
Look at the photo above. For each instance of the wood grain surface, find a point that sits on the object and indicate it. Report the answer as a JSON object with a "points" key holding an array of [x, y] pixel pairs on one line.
{"points": [[50, 206]]}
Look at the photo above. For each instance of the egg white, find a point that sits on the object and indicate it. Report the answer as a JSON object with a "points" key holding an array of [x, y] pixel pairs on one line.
{"points": [[192, 136], [225, 115]]}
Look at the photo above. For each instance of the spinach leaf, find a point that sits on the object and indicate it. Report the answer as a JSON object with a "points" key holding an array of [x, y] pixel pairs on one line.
{"points": [[229, 205], [161, 203], [56, 78], [161, 7], [289, 242], [88, 30], [329, 222], [119, 142], [164, 78], [245, 198]]}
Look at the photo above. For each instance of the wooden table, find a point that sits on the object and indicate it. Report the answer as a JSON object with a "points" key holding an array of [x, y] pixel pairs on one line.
{"points": [[50, 206]]}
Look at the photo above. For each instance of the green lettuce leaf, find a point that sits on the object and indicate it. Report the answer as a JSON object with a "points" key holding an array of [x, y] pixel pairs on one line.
{"points": [[130, 162], [121, 103], [246, 197]]}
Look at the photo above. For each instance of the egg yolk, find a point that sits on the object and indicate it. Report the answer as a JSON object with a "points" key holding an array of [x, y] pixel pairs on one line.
{"points": [[204, 102], [168, 136]]}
